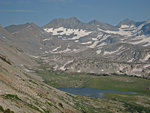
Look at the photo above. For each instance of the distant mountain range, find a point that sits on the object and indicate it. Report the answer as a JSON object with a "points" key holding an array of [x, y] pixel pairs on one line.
{"points": [[74, 46]]}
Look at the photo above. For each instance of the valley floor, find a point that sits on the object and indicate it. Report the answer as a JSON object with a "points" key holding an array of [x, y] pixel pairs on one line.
{"points": [[112, 102]]}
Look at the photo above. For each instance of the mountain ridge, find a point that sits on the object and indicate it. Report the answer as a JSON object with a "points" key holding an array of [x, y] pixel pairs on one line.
{"points": [[69, 47], [126, 46]]}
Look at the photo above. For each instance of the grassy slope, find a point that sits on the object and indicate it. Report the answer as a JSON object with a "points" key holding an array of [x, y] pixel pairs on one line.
{"points": [[138, 102], [119, 83]]}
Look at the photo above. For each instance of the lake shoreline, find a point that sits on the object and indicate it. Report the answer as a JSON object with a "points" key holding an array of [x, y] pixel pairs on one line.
{"points": [[92, 92]]}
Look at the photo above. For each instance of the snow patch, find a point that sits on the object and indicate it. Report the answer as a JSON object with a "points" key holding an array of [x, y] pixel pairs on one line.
{"points": [[79, 71], [27, 70], [46, 39], [121, 68], [146, 57], [120, 32], [65, 31], [94, 39], [75, 50], [102, 44], [125, 26], [55, 67], [141, 40], [131, 60], [59, 36], [34, 56], [94, 44], [76, 41], [148, 65], [104, 37], [124, 30], [67, 50], [56, 49], [98, 52], [63, 67], [46, 52], [112, 52]]}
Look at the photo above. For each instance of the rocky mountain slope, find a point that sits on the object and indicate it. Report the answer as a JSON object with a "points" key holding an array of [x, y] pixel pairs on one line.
{"points": [[22, 91], [123, 48], [93, 47], [67, 45]]}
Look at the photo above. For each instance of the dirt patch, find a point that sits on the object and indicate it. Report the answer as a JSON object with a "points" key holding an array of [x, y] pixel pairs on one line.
{"points": [[68, 111], [4, 78]]}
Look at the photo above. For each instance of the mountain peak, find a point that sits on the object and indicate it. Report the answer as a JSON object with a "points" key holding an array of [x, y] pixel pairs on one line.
{"points": [[127, 21], [102, 25], [15, 28], [73, 23], [73, 18], [28, 24], [94, 22]]}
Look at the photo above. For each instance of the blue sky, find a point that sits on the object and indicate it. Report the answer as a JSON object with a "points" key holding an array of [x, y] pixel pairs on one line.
{"points": [[42, 11]]}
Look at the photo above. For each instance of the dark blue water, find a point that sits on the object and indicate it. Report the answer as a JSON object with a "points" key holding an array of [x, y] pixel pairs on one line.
{"points": [[98, 93]]}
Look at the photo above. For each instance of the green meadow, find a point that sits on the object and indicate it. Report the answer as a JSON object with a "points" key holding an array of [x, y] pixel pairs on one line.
{"points": [[139, 102]]}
